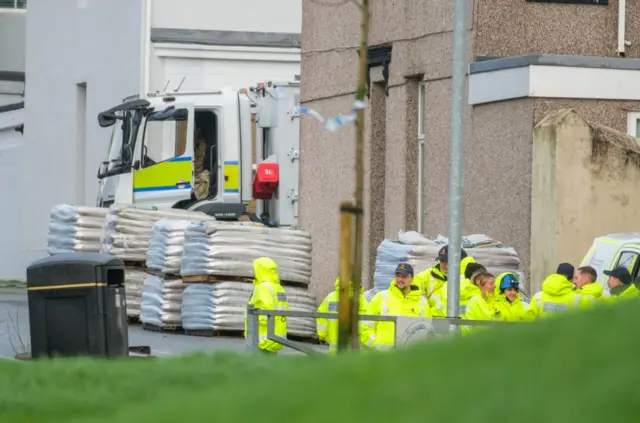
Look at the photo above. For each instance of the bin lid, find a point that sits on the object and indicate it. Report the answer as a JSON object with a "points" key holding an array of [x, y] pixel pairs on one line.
{"points": [[70, 269]]}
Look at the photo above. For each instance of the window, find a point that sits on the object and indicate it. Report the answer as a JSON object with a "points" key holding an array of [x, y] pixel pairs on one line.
{"points": [[13, 4], [633, 124], [165, 136], [629, 260]]}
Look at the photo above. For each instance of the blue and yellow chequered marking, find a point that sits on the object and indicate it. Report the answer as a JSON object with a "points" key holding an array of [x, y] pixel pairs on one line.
{"points": [[164, 176], [231, 177]]}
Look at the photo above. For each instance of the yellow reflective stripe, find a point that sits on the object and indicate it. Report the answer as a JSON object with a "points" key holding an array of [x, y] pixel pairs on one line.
{"points": [[423, 303], [371, 340], [68, 286], [576, 300], [231, 176], [322, 328], [163, 175]]}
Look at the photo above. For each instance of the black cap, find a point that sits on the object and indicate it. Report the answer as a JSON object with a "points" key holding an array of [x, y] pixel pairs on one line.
{"points": [[621, 273], [443, 254], [404, 269], [566, 269]]}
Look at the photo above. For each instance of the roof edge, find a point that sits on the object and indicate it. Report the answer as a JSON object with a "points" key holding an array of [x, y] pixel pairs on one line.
{"points": [[511, 62], [225, 38]]}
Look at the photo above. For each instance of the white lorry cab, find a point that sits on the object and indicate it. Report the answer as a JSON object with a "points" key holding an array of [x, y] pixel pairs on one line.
{"points": [[613, 250], [193, 151]]}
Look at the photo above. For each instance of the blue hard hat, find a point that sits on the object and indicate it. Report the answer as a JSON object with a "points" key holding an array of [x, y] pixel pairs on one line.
{"points": [[509, 281]]}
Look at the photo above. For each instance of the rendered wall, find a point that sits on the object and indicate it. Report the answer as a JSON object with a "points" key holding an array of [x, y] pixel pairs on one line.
{"points": [[585, 179], [12, 39]]}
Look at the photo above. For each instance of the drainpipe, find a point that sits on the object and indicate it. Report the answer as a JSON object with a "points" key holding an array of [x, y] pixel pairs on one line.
{"points": [[622, 43], [420, 207]]}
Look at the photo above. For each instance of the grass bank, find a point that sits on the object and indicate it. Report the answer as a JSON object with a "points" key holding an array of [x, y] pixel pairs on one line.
{"points": [[582, 368]]}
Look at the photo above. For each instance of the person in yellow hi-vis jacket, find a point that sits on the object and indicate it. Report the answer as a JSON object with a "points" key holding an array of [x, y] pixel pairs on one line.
{"points": [[508, 300], [403, 298], [620, 284], [482, 306], [585, 281], [328, 328], [467, 289], [434, 278], [268, 294], [558, 295]]}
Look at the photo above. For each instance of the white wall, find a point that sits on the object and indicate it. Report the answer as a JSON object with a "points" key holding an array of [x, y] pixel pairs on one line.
{"points": [[12, 39], [225, 15], [96, 42]]}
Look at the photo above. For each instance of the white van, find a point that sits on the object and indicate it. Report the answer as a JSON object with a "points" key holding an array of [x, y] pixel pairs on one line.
{"points": [[613, 250]]}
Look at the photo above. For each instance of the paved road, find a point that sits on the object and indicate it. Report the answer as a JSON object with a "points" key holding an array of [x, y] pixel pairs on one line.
{"points": [[14, 333]]}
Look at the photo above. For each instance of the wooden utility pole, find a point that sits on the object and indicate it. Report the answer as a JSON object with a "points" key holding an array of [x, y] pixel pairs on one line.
{"points": [[361, 94], [348, 332], [344, 303]]}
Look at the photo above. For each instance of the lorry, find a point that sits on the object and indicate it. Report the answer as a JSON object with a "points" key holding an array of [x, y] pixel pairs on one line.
{"points": [[612, 250], [193, 151]]}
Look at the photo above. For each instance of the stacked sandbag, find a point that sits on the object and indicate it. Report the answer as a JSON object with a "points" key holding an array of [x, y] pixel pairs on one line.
{"points": [[161, 301], [229, 249], [421, 253], [133, 281], [166, 245], [129, 229], [222, 306], [75, 229]]}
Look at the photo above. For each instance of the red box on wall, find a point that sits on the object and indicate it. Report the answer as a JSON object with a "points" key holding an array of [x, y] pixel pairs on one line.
{"points": [[266, 181]]}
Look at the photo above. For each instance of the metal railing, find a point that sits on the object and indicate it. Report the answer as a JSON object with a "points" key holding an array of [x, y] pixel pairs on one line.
{"points": [[441, 326]]}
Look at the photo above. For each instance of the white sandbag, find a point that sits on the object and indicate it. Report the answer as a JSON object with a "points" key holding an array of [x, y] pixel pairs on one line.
{"points": [[128, 229], [133, 280], [161, 301], [222, 306], [166, 245], [421, 253], [229, 249], [75, 229]]}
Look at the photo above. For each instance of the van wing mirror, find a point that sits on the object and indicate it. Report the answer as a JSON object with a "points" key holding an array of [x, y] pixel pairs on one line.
{"points": [[106, 119]]}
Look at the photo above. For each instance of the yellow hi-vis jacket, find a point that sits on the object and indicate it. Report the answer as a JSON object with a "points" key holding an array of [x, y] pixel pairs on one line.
{"points": [[392, 302], [593, 290], [467, 291], [328, 328], [268, 294], [513, 311], [558, 295], [481, 308], [434, 283]]}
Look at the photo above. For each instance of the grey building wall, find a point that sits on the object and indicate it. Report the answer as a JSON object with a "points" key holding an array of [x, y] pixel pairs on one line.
{"points": [[94, 43], [497, 181]]}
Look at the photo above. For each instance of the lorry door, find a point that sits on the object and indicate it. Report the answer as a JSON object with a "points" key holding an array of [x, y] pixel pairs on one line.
{"points": [[602, 256], [164, 173]]}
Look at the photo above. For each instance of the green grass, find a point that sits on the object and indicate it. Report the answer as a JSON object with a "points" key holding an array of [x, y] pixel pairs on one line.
{"points": [[582, 368], [12, 283]]}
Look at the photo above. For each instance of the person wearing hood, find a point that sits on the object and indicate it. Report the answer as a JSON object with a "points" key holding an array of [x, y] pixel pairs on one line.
{"points": [[467, 289], [508, 299], [403, 298], [483, 305], [328, 328], [558, 295], [585, 282], [620, 284], [268, 294], [434, 278]]}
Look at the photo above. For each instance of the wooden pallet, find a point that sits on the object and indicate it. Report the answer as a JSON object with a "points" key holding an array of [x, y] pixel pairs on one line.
{"points": [[210, 333], [168, 328], [214, 279], [166, 276], [135, 264]]}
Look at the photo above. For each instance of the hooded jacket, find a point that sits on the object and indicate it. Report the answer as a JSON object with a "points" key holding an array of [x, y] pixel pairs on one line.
{"points": [[268, 294], [328, 328], [467, 291], [593, 290], [392, 302], [558, 295]]}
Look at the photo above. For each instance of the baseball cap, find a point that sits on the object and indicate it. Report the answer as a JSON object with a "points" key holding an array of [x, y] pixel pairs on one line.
{"points": [[565, 269], [443, 254], [404, 269], [509, 280], [621, 273]]}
